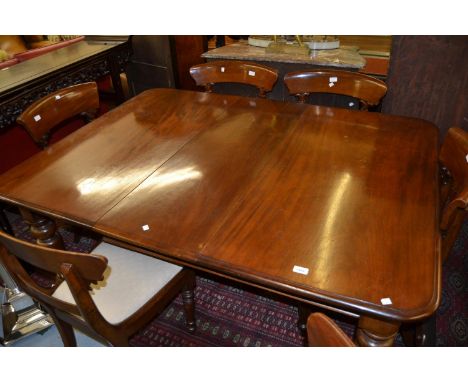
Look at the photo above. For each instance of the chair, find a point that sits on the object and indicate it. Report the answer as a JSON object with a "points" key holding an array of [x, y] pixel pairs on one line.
{"points": [[108, 294], [454, 189], [453, 157], [322, 331], [368, 90], [46, 113], [214, 72]]}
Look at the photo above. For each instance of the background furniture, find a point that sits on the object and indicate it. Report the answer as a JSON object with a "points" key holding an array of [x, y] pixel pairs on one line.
{"points": [[253, 204], [20, 316], [108, 294], [85, 61], [367, 90], [48, 112], [163, 61], [210, 74]]}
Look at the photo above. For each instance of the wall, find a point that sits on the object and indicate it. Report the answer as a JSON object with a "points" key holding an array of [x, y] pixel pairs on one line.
{"points": [[428, 79]]}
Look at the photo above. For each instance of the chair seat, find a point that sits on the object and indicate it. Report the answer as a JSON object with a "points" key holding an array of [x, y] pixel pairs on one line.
{"points": [[130, 280]]}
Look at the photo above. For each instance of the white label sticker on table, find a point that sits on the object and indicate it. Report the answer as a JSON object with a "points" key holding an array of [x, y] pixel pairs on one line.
{"points": [[145, 227], [331, 84], [351, 104], [251, 73], [466, 158], [222, 69], [57, 96], [301, 270], [386, 301], [37, 118], [333, 79]]}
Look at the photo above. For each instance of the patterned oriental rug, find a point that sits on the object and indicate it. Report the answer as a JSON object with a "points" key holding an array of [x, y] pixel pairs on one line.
{"points": [[230, 314]]}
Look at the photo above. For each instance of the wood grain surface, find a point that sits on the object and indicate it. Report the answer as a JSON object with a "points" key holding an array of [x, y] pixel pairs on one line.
{"points": [[251, 188]]}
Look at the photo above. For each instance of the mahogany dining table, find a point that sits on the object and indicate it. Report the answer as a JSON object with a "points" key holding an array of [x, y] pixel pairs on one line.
{"points": [[330, 207]]}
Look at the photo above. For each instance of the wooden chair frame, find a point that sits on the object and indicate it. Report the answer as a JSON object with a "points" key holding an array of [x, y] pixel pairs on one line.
{"points": [[241, 72], [80, 270], [322, 331], [454, 186], [46, 113], [367, 89]]}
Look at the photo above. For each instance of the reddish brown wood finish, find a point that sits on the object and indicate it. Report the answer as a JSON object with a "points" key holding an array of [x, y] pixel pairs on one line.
{"points": [[80, 270], [322, 331], [188, 51], [454, 194], [83, 176], [260, 76], [44, 230], [248, 189], [43, 115], [367, 89]]}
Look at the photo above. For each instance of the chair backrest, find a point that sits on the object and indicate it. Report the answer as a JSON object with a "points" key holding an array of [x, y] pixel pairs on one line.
{"points": [[322, 331], [46, 113], [260, 76], [454, 190], [86, 268], [367, 89]]}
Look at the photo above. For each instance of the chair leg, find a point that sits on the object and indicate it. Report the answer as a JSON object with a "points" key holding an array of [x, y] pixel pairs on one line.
{"points": [[420, 334], [304, 312], [4, 223], [65, 330], [189, 303]]}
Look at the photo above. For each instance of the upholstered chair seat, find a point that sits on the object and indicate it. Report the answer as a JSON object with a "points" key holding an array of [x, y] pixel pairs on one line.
{"points": [[130, 280], [109, 294]]}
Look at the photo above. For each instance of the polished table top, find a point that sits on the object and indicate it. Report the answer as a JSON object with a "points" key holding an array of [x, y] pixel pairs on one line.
{"points": [[333, 206]]}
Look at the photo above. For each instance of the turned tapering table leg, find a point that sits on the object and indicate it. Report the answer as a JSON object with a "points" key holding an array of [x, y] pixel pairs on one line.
{"points": [[373, 332], [43, 229]]}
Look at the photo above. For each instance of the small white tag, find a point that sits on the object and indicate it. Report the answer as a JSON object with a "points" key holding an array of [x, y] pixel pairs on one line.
{"points": [[145, 227], [333, 79], [386, 301], [37, 118], [251, 73], [351, 104], [57, 96], [222, 69], [466, 158], [301, 270], [331, 84]]}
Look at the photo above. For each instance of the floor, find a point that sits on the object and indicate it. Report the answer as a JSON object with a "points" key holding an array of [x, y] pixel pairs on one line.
{"points": [[51, 338]]}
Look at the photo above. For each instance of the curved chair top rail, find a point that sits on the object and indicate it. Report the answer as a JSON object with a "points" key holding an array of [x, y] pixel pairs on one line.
{"points": [[260, 76], [46, 113], [367, 89], [90, 266]]}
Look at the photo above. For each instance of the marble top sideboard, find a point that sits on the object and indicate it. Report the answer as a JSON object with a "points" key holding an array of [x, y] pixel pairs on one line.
{"points": [[341, 57]]}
